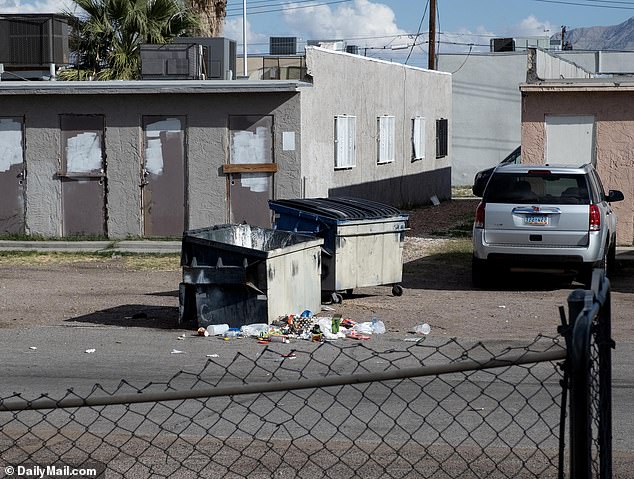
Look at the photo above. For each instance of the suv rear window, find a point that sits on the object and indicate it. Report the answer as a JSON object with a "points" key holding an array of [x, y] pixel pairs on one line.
{"points": [[542, 188]]}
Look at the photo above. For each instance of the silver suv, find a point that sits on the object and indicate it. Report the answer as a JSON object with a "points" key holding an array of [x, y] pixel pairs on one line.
{"points": [[555, 218]]}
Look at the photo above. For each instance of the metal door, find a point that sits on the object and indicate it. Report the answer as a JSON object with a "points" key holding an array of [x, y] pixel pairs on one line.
{"points": [[570, 140], [250, 183], [12, 176], [83, 176], [163, 182]]}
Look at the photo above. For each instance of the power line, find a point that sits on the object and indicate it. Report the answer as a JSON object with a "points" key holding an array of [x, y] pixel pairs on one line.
{"points": [[420, 26], [284, 9], [592, 5]]}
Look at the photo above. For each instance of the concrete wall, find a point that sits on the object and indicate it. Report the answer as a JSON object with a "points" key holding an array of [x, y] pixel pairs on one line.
{"points": [[614, 130], [366, 88], [486, 109], [548, 66], [206, 150]]}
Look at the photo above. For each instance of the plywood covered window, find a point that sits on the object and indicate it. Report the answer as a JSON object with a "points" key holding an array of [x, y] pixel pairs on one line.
{"points": [[12, 176], [385, 139], [418, 138], [82, 140], [345, 141]]}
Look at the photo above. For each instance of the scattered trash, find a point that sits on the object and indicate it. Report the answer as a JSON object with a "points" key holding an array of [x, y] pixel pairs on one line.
{"points": [[232, 333], [412, 340], [502, 307], [174, 351], [203, 332], [259, 330], [90, 351], [33, 348], [276, 338], [217, 329], [422, 329], [325, 307], [434, 200], [213, 356]]}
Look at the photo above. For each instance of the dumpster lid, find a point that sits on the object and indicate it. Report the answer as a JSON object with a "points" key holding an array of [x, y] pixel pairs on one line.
{"points": [[340, 208]]}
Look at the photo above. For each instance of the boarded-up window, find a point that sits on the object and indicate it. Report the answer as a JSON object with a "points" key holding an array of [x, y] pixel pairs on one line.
{"points": [[82, 140], [345, 141], [10, 143], [385, 127], [418, 138], [442, 137]]}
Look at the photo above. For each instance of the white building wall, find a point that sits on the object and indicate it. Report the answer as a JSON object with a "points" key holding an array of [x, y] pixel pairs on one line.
{"points": [[345, 84], [486, 109]]}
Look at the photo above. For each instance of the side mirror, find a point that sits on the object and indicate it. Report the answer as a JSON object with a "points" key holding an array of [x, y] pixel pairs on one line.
{"points": [[614, 195], [480, 182]]}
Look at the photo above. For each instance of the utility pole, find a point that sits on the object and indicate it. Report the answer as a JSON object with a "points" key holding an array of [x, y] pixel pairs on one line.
{"points": [[431, 62], [245, 68], [563, 37]]}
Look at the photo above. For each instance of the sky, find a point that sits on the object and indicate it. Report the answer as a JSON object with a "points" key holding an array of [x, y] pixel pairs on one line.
{"points": [[388, 29]]}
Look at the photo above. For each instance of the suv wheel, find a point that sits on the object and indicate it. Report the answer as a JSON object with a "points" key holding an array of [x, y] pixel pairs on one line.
{"points": [[611, 260], [480, 276]]}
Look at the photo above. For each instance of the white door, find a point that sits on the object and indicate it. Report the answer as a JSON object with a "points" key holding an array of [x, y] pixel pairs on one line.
{"points": [[569, 139]]}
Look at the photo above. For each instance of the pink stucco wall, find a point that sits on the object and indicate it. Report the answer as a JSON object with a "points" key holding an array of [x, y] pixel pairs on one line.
{"points": [[614, 139]]}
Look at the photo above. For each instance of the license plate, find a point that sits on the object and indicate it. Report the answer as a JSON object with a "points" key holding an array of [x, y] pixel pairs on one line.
{"points": [[536, 220]]}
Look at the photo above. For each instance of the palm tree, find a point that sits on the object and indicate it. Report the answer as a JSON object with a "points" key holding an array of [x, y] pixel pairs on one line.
{"points": [[107, 35], [211, 15]]}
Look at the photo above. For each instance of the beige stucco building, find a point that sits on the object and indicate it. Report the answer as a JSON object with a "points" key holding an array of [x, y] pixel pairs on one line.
{"points": [[583, 120]]}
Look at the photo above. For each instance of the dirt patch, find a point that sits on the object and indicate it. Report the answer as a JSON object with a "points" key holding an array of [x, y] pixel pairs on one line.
{"points": [[142, 291]]}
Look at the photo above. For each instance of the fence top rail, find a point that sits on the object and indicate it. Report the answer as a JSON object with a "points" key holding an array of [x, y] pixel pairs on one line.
{"points": [[468, 365]]}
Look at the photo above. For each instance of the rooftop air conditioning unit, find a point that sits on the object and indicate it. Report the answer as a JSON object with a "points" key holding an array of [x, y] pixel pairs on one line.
{"points": [[502, 45]]}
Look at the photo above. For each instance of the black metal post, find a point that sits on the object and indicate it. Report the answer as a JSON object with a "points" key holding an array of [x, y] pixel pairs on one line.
{"points": [[579, 356]]}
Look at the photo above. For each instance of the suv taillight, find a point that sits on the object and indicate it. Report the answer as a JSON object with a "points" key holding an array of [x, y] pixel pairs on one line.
{"points": [[479, 216], [595, 218]]}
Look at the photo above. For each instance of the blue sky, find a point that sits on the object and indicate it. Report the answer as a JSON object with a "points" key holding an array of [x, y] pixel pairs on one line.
{"points": [[380, 25]]}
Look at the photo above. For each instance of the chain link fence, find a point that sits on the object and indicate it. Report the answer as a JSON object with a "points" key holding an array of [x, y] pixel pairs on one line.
{"points": [[442, 409], [590, 371]]}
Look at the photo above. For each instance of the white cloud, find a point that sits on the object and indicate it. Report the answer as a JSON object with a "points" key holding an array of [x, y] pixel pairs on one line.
{"points": [[531, 26], [46, 6], [256, 42], [362, 18]]}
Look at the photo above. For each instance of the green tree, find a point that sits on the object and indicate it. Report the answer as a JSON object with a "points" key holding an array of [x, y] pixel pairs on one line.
{"points": [[107, 34]]}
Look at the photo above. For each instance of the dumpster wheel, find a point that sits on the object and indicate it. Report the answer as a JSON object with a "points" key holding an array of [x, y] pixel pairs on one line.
{"points": [[397, 290], [336, 298]]}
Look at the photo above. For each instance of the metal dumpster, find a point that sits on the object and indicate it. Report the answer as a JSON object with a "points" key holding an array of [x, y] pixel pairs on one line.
{"points": [[242, 274], [363, 240]]}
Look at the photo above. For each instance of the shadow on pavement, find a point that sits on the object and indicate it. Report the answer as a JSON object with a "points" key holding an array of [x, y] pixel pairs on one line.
{"points": [[133, 315]]}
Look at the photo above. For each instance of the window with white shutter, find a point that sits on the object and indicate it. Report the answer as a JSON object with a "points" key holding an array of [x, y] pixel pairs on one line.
{"points": [[418, 138], [385, 127], [345, 141]]}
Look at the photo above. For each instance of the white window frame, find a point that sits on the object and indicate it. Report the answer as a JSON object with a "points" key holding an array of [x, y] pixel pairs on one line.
{"points": [[419, 127], [345, 142], [386, 128]]}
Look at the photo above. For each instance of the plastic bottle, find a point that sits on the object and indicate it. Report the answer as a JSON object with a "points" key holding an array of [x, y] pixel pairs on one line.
{"points": [[232, 333], [422, 329], [378, 327], [257, 330], [217, 329]]}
